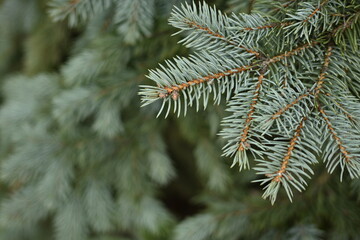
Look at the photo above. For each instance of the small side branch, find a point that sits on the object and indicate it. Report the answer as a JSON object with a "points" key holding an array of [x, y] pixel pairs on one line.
{"points": [[293, 142], [347, 24], [315, 91], [288, 106], [207, 78], [242, 143], [177, 88], [72, 4], [340, 144], [272, 25], [290, 53], [316, 10], [323, 72], [346, 113], [288, 3], [288, 23], [218, 35]]}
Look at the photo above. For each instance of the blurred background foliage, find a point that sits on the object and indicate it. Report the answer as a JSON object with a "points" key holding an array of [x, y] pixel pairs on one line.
{"points": [[81, 160]]}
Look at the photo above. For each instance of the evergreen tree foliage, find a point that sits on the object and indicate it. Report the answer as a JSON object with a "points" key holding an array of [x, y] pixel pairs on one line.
{"points": [[80, 159], [289, 75]]}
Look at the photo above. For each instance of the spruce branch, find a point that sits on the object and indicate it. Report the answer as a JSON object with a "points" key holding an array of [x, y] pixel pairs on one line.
{"points": [[352, 19], [281, 172], [312, 14], [285, 5], [335, 136], [171, 80], [249, 117], [279, 112], [284, 127], [323, 72], [315, 91], [341, 143], [134, 19], [290, 163], [249, 99], [346, 112], [291, 52], [78, 11], [202, 69], [208, 29], [348, 32], [284, 24], [217, 35], [77, 152], [271, 25], [171, 89]]}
